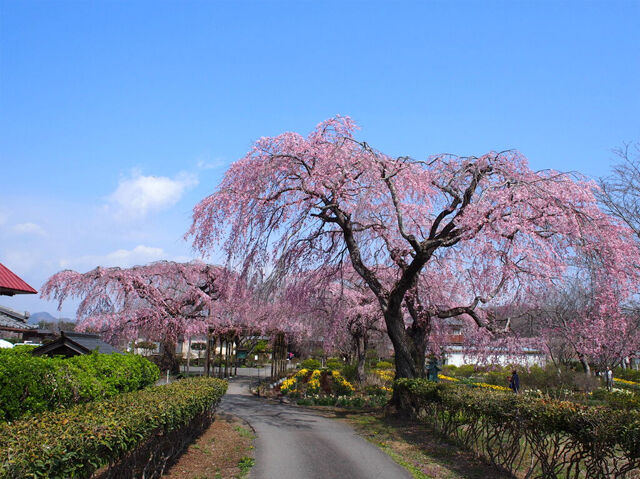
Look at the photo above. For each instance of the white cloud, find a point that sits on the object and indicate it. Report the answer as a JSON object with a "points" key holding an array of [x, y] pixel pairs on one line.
{"points": [[29, 229], [21, 261], [206, 164], [140, 195], [124, 258]]}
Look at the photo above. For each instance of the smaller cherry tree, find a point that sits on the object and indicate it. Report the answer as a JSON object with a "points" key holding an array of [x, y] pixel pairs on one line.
{"points": [[160, 301], [587, 315], [337, 306]]}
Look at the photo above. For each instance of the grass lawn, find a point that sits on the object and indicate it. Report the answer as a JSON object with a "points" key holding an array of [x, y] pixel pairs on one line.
{"points": [[418, 449]]}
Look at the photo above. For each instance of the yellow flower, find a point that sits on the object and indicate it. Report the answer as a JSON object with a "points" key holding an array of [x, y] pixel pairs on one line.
{"points": [[385, 374], [492, 386], [288, 384], [447, 378], [626, 381]]}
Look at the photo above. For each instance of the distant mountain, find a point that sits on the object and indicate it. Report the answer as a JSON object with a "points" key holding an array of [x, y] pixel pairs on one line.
{"points": [[35, 318]]}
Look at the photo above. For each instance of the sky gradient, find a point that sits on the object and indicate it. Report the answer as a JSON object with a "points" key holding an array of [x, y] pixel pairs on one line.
{"points": [[117, 117]]}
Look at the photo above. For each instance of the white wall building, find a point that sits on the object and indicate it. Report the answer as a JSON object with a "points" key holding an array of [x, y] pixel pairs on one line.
{"points": [[456, 356]]}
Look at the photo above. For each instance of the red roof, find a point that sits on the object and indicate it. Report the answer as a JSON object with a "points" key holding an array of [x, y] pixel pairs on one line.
{"points": [[11, 284]]}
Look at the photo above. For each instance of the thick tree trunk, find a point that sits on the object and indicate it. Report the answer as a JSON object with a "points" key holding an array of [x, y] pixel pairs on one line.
{"points": [[236, 342], [361, 357], [585, 365], [418, 338], [207, 366], [188, 355], [168, 360], [220, 370], [409, 346]]}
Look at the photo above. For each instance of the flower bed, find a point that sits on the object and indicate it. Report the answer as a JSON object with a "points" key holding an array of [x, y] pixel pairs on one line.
{"points": [[468, 382], [32, 384], [129, 432], [530, 437], [627, 384], [323, 382], [347, 402]]}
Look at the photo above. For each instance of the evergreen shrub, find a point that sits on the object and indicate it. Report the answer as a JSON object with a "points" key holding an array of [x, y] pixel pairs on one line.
{"points": [[529, 436], [335, 364], [310, 364], [76, 442], [32, 384], [384, 365]]}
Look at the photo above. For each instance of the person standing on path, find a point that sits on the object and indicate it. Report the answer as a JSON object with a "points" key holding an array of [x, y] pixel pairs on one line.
{"points": [[514, 382], [609, 379]]}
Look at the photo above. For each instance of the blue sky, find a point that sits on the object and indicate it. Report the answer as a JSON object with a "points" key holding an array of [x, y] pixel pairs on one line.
{"points": [[117, 117]]}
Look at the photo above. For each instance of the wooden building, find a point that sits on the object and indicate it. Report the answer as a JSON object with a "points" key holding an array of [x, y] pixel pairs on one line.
{"points": [[72, 344]]}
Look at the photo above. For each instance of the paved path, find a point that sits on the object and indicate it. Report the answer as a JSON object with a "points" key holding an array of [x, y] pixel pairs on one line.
{"points": [[295, 443]]}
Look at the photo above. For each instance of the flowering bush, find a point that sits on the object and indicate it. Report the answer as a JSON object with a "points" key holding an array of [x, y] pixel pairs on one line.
{"points": [[375, 390], [313, 385], [288, 386], [495, 387], [474, 384], [627, 384], [341, 385], [344, 401], [316, 382], [385, 375], [628, 374]]}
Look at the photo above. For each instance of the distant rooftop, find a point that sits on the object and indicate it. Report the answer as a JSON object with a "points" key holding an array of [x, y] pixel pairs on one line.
{"points": [[11, 320], [71, 343]]}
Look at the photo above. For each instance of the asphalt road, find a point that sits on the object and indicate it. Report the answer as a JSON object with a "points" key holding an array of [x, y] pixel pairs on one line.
{"points": [[296, 443]]}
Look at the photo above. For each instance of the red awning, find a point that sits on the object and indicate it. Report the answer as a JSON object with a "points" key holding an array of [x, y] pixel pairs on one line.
{"points": [[11, 284]]}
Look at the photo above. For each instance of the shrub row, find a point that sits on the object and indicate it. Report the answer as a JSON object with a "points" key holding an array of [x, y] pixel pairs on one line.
{"points": [[32, 384], [527, 436], [616, 399], [75, 442]]}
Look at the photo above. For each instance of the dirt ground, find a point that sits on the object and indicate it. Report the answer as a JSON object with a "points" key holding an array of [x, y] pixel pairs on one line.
{"points": [[224, 451]]}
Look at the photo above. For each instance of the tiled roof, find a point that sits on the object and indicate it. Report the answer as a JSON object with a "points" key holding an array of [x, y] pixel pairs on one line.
{"points": [[90, 342], [81, 343], [10, 319], [11, 284]]}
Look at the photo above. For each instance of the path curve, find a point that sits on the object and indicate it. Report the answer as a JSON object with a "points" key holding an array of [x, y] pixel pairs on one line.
{"points": [[296, 443]]}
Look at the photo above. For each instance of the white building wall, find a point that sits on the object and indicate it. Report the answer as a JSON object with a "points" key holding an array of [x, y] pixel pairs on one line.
{"points": [[459, 358]]}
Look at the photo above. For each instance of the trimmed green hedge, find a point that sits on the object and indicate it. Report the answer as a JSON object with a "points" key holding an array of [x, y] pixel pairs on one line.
{"points": [[529, 436], [32, 384], [76, 442]]}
